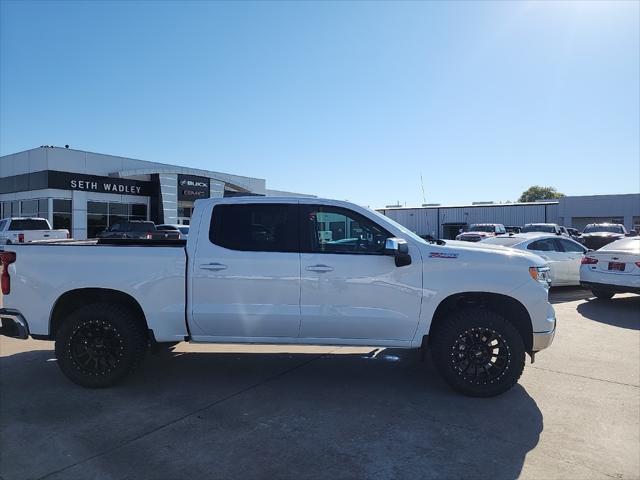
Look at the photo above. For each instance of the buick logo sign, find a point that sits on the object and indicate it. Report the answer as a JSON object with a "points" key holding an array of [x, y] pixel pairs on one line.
{"points": [[192, 187], [191, 183]]}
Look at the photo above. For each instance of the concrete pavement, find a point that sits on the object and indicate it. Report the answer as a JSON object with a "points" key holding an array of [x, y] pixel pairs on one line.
{"points": [[308, 412]]}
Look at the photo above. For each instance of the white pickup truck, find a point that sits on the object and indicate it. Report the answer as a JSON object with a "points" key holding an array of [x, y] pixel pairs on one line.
{"points": [[270, 270], [25, 230]]}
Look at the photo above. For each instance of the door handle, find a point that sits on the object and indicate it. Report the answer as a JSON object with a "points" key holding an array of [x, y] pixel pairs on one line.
{"points": [[319, 268], [213, 266]]}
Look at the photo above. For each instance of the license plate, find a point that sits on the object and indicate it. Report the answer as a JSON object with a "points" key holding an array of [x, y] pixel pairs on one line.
{"points": [[617, 266]]}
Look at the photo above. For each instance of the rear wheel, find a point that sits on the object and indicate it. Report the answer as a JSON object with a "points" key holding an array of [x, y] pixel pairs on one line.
{"points": [[478, 352], [98, 345], [602, 294]]}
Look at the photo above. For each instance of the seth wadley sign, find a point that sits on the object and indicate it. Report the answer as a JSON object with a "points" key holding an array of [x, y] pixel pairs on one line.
{"points": [[106, 187]]}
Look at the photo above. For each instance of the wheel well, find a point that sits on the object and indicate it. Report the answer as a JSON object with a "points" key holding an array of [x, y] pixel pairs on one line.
{"points": [[510, 308], [74, 299]]}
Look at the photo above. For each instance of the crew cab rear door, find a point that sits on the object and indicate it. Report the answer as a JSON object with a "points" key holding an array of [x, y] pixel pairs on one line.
{"points": [[351, 290], [245, 275]]}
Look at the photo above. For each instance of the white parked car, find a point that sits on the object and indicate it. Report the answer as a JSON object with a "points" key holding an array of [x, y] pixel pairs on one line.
{"points": [[615, 268], [258, 270], [26, 230], [562, 254]]}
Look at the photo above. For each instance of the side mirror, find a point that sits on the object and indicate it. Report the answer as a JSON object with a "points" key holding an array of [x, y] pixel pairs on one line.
{"points": [[398, 248]]}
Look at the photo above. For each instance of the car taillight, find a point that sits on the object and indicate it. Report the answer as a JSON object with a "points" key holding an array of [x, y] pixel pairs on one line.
{"points": [[6, 259], [638, 264], [68, 235], [21, 238], [588, 261]]}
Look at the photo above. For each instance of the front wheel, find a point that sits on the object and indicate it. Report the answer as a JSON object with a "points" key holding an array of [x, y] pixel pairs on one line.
{"points": [[478, 352], [100, 344], [602, 294]]}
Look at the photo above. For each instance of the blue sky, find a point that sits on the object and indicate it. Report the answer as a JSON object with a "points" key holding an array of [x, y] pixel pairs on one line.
{"points": [[345, 100]]}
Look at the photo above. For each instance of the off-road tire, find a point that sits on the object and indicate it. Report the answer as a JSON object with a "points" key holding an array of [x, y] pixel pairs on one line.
{"points": [[99, 344], [462, 333]]}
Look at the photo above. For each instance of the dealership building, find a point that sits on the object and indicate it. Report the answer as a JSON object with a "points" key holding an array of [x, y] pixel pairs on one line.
{"points": [[87, 192], [574, 212]]}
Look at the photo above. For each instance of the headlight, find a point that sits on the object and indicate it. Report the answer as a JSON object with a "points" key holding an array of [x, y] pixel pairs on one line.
{"points": [[540, 274]]}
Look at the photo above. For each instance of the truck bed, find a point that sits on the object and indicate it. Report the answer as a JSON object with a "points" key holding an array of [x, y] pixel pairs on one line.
{"points": [[155, 277]]}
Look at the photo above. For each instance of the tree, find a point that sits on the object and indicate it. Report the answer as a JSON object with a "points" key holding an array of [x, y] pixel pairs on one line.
{"points": [[536, 192]]}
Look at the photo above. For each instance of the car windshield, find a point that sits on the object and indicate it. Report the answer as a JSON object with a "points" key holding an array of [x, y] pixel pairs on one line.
{"points": [[482, 228], [538, 228], [603, 228], [29, 224], [504, 241]]}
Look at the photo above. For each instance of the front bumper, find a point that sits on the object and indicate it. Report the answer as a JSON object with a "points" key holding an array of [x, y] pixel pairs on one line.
{"points": [[13, 324], [542, 340]]}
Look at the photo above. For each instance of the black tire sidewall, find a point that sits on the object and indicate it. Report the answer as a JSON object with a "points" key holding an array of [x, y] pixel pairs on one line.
{"points": [[602, 294], [462, 320], [123, 321]]}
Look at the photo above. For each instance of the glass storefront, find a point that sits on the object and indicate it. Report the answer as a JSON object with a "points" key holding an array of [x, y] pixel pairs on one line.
{"points": [[38, 207], [101, 215]]}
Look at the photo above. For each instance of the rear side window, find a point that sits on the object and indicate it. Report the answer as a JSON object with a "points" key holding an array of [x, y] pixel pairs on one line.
{"points": [[545, 245], [255, 227], [570, 246], [29, 224]]}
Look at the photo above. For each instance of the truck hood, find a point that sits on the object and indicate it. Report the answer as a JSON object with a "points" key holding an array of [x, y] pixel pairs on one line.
{"points": [[484, 252]]}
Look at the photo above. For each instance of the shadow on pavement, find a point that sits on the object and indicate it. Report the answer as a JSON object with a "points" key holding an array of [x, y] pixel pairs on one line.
{"points": [[259, 416], [568, 294], [621, 312]]}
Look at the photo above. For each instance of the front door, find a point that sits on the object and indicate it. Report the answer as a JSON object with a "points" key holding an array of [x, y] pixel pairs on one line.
{"points": [[245, 281], [349, 288]]}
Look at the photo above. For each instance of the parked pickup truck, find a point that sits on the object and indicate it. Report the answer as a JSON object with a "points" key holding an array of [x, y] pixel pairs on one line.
{"points": [[25, 230], [282, 271]]}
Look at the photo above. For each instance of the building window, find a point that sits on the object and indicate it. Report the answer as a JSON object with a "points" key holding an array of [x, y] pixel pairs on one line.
{"points": [[62, 214], [29, 208], [43, 208], [101, 215]]}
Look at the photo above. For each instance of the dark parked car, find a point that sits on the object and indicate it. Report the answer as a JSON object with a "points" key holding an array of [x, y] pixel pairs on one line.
{"points": [[513, 229], [597, 235], [139, 230]]}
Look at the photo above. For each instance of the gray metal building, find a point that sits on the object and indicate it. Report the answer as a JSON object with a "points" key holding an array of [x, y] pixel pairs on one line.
{"points": [[446, 221]]}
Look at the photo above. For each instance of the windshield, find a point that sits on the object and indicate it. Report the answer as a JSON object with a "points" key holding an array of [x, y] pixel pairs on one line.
{"points": [[482, 228], [504, 241], [142, 227], [399, 227], [539, 228], [603, 228], [29, 224]]}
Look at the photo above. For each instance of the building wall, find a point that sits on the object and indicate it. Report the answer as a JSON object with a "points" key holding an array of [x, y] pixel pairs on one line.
{"points": [[580, 210], [433, 220]]}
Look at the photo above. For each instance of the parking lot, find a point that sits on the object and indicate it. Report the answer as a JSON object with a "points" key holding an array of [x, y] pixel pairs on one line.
{"points": [[228, 412]]}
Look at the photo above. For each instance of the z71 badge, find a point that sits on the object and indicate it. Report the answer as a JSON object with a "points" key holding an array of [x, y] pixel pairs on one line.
{"points": [[442, 255]]}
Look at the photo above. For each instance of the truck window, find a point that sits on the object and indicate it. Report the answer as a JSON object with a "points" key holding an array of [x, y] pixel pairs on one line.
{"points": [[29, 224], [255, 227], [328, 229]]}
